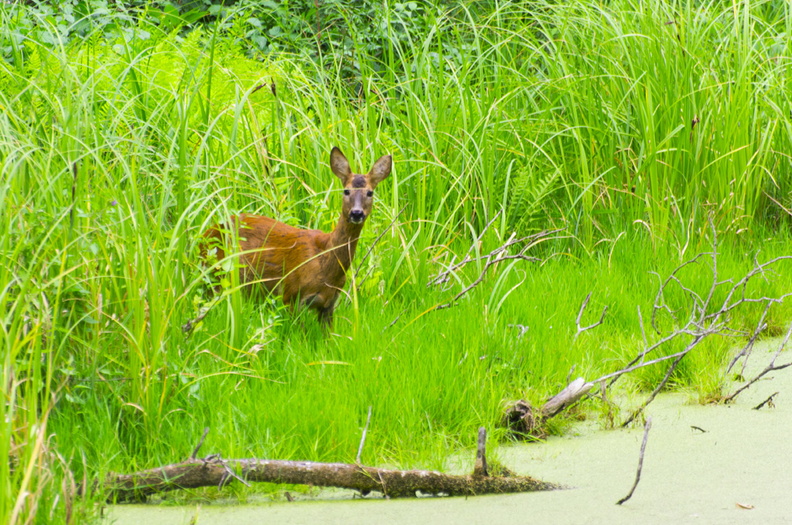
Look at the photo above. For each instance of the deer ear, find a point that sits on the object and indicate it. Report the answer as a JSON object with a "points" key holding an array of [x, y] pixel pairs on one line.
{"points": [[380, 170], [340, 165]]}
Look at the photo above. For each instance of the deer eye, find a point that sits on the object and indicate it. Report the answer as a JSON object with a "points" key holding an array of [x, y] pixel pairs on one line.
{"points": [[369, 193], [346, 192]]}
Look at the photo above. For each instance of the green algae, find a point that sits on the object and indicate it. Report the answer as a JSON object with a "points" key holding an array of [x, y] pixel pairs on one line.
{"points": [[703, 464]]}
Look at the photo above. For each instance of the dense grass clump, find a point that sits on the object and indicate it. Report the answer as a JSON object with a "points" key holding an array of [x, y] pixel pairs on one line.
{"points": [[628, 126]]}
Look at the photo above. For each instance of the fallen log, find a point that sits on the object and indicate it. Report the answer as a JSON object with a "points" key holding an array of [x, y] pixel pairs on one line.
{"points": [[526, 422], [215, 471]]}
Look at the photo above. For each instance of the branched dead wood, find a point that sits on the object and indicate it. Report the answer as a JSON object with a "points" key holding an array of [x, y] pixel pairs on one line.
{"points": [[768, 402], [580, 329], [701, 316], [215, 471], [705, 317], [512, 249], [771, 367]]}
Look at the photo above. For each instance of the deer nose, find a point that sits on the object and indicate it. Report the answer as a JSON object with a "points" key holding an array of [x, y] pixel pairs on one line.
{"points": [[356, 216]]}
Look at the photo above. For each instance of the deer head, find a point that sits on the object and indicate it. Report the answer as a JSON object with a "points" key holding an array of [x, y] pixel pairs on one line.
{"points": [[358, 189]]}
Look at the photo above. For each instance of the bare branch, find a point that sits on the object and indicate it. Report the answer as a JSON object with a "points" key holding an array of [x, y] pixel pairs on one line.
{"points": [[363, 437], [580, 315], [700, 316], [787, 210], [442, 277], [496, 256], [761, 326], [521, 327], [643, 331], [765, 402], [647, 426], [574, 391], [657, 389], [480, 469], [769, 368], [200, 443]]}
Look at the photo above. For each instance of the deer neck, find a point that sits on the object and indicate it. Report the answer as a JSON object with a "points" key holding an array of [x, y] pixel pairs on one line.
{"points": [[342, 243]]}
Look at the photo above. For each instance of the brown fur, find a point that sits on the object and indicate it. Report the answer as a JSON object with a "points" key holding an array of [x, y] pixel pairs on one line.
{"points": [[306, 267]]}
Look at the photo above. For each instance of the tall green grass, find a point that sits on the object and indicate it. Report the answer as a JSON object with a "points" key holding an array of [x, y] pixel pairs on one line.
{"points": [[117, 154]]}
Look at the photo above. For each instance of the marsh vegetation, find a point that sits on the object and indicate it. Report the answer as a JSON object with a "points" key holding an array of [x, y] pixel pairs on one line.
{"points": [[634, 128]]}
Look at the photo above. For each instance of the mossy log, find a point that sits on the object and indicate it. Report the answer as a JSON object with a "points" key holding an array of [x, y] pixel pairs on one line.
{"points": [[214, 471]]}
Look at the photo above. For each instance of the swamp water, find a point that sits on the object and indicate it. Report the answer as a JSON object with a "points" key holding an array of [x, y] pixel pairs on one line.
{"points": [[738, 471]]}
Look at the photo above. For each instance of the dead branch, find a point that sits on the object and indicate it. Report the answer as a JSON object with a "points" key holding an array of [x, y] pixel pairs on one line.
{"points": [[480, 468], [769, 368], [705, 318], [647, 426], [525, 422], [761, 326], [656, 391], [696, 320], [521, 327], [787, 210], [768, 402], [574, 391], [363, 437], [215, 471], [643, 330], [443, 277], [580, 315], [494, 257], [200, 443], [190, 325]]}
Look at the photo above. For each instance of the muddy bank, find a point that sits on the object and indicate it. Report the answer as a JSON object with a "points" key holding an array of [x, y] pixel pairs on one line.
{"points": [[739, 470]]}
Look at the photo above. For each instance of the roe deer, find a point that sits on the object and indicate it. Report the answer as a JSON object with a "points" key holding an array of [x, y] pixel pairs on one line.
{"points": [[307, 267]]}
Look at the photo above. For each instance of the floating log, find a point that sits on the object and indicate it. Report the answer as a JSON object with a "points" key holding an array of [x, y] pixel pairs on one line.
{"points": [[215, 471]]}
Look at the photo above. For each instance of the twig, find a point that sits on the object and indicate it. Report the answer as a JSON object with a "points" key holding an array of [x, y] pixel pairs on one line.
{"points": [[229, 474], [443, 277], [787, 210], [769, 368], [394, 321], [580, 315], [494, 257], [363, 437], [480, 469], [765, 402], [643, 331], [521, 327], [190, 325], [657, 389], [647, 426], [570, 395], [761, 326], [200, 443]]}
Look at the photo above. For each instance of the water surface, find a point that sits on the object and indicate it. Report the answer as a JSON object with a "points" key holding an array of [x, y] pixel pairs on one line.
{"points": [[738, 471]]}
